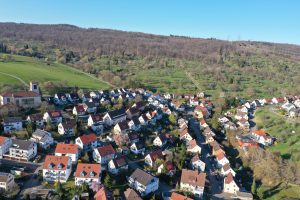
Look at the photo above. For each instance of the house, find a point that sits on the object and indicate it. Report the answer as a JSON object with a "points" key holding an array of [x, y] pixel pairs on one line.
{"points": [[243, 123], [67, 128], [115, 116], [70, 150], [226, 169], [134, 124], [12, 124], [36, 119], [73, 97], [168, 167], [297, 103], [193, 147], [79, 110], [208, 131], [5, 143], [133, 137], [239, 115], [24, 99], [43, 138], [222, 160], [242, 109], [7, 182], [185, 136], [89, 107], [288, 106], [87, 173], [246, 141], [216, 148], [9, 109], [208, 138], [87, 142], [176, 196], [198, 164], [152, 157], [137, 148], [262, 137], [96, 123], [60, 98], [130, 194], [140, 105], [118, 164], [121, 127], [144, 119], [143, 182], [160, 140], [230, 185], [57, 168], [193, 182], [22, 150], [203, 123], [54, 117], [103, 194], [86, 97], [104, 154], [177, 105], [132, 112]]}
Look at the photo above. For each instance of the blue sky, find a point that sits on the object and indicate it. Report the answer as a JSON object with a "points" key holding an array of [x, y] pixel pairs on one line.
{"points": [[263, 20]]}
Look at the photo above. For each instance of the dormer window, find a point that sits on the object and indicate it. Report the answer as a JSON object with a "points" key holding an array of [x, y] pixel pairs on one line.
{"points": [[82, 173], [51, 165], [60, 166], [92, 174]]}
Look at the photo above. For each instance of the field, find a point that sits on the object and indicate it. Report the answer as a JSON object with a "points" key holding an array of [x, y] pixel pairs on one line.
{"points": [[27, 69], [279, 192], [286, 131]]}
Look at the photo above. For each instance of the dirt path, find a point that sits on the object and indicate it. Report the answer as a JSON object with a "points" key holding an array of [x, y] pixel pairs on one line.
{"points": [[16, 77]]}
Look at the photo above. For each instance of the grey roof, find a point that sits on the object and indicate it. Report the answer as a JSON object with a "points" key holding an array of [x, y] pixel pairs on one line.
{"points": [[3, 176], [12, 119], [21, 144], [117, 113], [141, 176]]}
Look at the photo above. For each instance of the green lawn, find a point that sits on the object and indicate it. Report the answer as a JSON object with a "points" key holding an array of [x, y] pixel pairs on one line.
{"points": [[279, 192], [287, 132], [28, 69]]}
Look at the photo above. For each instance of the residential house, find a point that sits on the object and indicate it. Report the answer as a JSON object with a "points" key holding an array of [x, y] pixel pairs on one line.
{"points": [[143, 182], [87, 142], [203, 123], [193, 147], [104, 154], [262, 137], [216, 148], [130, 194], [152, 157], [7, 182], [90, 107], [96, 123], [239, 115], [243, 123], [185, 136], [133, 137], [121, 127], [73, 97], [5, 143], [70, 150], [132, 112], [43, 138], [12, 124], [134, 124], [8, 109], [103, 194], [118, 164], [24, 99], [86, 97], [115, 116], [198, 164], [160, 140], [79, 110], [57, 168], [87, 173], [222, 160], [137, 148], [226, 169], [36, 119], [67, 128], [176, 196], [60, 98], [209, 138], [168, 167], [288, 106], [230, 185], [54, 117], [22, 150], [193, 182]]}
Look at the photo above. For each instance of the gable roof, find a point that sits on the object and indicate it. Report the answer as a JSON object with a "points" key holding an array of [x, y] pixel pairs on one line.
{"points": [[123, 125], [106, 150], [176, 196], [20, 94], [130, 194], [88, 138], [79, 108], [103, 194], [193, 178], [141, 176], [97, 118], [229, 178], [12, 119], [120, 162], [21, 144], [66, 148], [56, 162], [2, 139], [36, 117], [85, 170], [156, 155], [117, 113]]}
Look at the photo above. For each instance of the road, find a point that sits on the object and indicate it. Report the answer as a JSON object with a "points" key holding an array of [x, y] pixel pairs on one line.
{"points": [[216, 185]]}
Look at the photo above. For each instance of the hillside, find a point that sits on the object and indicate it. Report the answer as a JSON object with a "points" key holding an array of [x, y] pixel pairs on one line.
{"points": [[19, 70], [163, 63]]}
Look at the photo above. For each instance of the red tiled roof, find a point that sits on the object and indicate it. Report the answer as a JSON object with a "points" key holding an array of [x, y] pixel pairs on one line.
{"points": [[21, 94], [156, 155], [176, 196], [2, 140], [97, 118], [192, 144], [193, 178], [106, 150], [56, 162], [66, 148], [88, 138], [229, 178], [260, 132], [88, 170], [103, 194], [80, 108]]}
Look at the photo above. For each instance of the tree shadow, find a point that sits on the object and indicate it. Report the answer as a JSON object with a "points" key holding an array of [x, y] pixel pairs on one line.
{"points": [[272, 191]]}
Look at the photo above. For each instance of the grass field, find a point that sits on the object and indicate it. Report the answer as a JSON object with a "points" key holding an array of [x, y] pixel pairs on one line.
{"points": [[28, 69], [280, 192], [285, 130]]}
